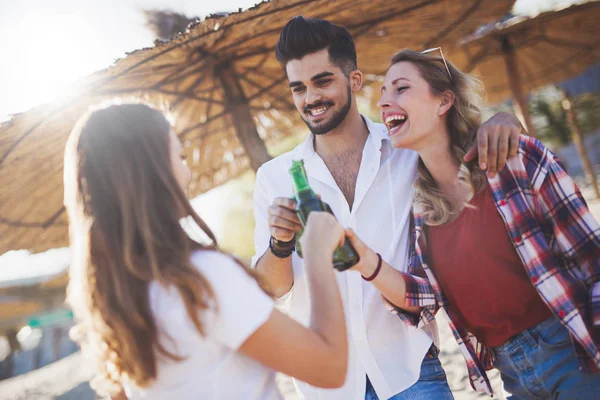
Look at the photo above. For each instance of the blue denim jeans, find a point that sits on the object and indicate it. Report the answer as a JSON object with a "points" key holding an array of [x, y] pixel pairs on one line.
{"points": [[432, 384], [540, 363]]}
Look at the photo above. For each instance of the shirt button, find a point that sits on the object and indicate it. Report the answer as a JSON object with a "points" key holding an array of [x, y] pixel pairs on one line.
{"points": [[502, 203], [561, 313], [534, 279], [518, 239]]}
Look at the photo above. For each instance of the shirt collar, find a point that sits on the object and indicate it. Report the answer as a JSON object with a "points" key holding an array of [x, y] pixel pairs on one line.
{"points": [[377, 133]]}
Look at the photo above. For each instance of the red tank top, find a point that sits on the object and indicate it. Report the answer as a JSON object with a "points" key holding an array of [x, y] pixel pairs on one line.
{"points": [[481, 274]]}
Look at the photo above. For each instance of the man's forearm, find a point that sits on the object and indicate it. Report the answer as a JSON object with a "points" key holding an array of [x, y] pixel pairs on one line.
{"points": [[277, 271]]}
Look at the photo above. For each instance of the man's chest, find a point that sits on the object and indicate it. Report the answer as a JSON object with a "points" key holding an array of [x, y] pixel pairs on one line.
{"points": [[382, 188], [345, 170], [380, 209]]}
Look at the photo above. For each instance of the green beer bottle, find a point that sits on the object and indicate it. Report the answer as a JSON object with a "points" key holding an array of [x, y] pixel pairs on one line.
{"points": [[344, 256]]}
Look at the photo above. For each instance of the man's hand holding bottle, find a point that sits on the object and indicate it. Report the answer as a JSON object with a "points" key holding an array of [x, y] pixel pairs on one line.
{"points": [[283, 220]]}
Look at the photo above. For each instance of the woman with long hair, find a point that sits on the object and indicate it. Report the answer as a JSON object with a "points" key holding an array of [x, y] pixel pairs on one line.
{"points": [[167, 317], [513, 260]]}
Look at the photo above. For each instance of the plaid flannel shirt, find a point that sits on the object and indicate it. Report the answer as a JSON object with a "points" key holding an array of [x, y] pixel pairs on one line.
{"points": [[558, 241]]}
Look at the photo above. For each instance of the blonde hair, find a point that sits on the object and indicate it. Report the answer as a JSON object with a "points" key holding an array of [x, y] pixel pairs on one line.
{"points": [[463, 120]]}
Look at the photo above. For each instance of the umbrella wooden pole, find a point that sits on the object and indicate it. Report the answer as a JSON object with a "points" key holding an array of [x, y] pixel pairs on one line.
{"points": [[514, 81], [588, 168], [245, 128]]}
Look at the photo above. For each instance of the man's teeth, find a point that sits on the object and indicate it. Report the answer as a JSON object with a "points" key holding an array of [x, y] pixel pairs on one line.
{"points": [[318, 111], [391, 118]]}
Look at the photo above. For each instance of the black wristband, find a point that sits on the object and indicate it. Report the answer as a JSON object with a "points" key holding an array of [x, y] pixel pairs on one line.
{"points": [[282, 249]]}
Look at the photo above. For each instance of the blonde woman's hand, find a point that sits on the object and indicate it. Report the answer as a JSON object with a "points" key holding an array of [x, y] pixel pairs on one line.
{"points": [[368, 258], [322, 234]]}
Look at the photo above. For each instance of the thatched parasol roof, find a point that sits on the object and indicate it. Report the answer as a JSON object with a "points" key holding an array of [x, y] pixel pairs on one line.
{"points": [[521, 54], [222, 82], [549, 48]]}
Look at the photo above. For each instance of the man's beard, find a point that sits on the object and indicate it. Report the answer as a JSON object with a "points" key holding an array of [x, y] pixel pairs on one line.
{"points": [[335, 121]]}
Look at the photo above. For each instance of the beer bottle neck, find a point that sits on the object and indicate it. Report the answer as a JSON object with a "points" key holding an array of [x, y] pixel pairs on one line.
{"points": [[299, 179]]}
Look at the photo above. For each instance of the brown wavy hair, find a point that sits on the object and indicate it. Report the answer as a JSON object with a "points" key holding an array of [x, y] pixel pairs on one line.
{"points": [[125, 218], [463, 120]]}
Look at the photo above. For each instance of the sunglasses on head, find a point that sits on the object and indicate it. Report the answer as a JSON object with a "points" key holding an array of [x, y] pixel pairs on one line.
{"points": [[443, 58]]}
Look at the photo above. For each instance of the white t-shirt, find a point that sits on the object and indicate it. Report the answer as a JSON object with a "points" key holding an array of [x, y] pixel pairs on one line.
{"points": [[212, 369]]}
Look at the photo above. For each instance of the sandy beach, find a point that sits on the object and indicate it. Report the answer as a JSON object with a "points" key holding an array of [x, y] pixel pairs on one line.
{"points": [[67, 379]]}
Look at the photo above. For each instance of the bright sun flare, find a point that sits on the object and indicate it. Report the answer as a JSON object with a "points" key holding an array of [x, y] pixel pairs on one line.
{"points": [[48, 57]]}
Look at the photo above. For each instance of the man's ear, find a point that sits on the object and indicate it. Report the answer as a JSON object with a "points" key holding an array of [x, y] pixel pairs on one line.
{"points": [[447, 99], [356, 80]]}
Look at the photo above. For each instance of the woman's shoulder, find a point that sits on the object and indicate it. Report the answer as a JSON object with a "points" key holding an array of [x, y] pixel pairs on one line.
{"points": [[532, 150], [203, 257], [533, 162], [221, 271], [214, 264]]}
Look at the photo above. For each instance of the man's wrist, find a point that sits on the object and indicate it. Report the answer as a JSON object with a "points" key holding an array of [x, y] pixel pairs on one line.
{"points": [[282, 249]]}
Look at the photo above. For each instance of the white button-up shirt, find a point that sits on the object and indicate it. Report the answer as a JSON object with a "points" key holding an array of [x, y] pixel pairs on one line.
{"points": [[380, 345]]}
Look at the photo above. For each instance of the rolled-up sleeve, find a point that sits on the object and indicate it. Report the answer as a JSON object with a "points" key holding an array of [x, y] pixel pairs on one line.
{"points": [[418, 291]]}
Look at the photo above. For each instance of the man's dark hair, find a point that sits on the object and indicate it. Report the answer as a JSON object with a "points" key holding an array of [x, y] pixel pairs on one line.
{"points": [[302, 36]]}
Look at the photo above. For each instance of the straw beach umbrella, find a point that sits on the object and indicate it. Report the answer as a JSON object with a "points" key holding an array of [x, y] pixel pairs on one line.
{"points": [[221, 81], [521, 54]]}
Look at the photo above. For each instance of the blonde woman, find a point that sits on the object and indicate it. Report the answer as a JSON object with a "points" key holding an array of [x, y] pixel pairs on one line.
{"points": [[513, 260], [164, 316]]}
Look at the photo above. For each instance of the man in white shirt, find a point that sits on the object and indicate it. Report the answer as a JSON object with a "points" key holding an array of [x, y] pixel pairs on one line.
{"points": [[352, 165]]}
